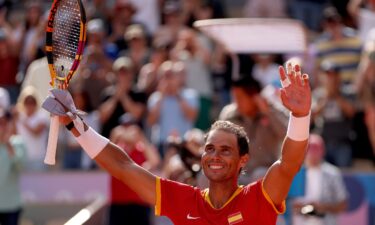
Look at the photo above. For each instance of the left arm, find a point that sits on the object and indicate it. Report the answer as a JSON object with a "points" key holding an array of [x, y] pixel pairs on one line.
{"points": [[295, 96]]}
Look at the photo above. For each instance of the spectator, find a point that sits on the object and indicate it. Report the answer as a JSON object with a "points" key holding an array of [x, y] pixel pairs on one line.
{"points": [[121, 97], [125, 203], [31, 33], [122, 17], [325, 194], [38, 76], [9, 61], [96, 38], [138, 50], [335, 109], [172, 109], [12, 158], [340, 45], [363, 13], [196, 57], [32, 124], [263, 123], [147, 78], [94, 73], [173, 22]]}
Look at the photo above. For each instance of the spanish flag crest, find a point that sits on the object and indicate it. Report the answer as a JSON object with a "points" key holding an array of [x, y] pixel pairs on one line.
{"points": [[235, 218]]}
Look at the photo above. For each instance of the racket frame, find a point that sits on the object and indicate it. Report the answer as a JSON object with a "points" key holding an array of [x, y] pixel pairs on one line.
{"points": [[56, 81]]}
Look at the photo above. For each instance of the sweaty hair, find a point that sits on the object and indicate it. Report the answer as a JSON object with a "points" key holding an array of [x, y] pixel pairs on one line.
{"points": [[238, 131]]}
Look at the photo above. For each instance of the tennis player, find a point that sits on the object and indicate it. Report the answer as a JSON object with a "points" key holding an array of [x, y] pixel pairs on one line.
{"points": [[225, 153]]}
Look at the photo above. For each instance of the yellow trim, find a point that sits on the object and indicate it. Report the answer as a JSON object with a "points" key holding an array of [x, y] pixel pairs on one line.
{"points": [[53, 74], [61, 78], [82, 25], [235, 218], [158, 197], [278, 211], [207, 198]]}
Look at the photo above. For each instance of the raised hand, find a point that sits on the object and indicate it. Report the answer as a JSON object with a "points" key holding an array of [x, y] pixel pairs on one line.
{"points": [[295, 91]]}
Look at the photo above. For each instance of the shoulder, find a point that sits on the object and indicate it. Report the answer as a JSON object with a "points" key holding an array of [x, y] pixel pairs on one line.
{"points": [[171, 185]]}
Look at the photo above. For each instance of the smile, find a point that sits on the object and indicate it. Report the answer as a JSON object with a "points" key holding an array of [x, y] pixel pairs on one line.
{"points": [[215, 167]]}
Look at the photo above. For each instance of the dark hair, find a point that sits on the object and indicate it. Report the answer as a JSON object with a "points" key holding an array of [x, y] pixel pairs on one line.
{"points": [[331, 15], [238, 131], [247, 83]]}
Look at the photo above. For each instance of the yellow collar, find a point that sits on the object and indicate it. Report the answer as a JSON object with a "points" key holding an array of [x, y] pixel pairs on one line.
{"points": [[207, 198]]}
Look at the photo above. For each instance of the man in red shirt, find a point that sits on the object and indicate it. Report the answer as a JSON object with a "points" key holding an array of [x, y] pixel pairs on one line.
{"points": [[225, 154]]}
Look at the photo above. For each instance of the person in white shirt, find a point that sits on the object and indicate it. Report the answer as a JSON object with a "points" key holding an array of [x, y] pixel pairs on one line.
{"points": [[325, 194], [32, 125]]}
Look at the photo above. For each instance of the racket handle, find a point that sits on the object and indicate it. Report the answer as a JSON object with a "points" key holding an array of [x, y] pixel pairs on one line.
{"points": [[52, 141]]}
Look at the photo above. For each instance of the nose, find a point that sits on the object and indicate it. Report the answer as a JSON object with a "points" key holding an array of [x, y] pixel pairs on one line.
{"points": [[215, 155]]}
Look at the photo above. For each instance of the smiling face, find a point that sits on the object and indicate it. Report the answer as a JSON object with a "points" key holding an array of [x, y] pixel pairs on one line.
{"points": [[221, 160]]}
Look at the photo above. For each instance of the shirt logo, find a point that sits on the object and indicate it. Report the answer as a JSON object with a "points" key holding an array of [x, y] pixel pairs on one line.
{"points": [[191, 217]]}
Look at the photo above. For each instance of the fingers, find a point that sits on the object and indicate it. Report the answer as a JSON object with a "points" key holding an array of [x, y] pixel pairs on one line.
{"points": [[306, 80], [283, 78], [293, 75], [298, 75], [282, 73]]}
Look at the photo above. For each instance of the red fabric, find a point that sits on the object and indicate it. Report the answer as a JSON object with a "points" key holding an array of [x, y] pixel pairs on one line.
{"points": [[184, 204], [8, 69], [120, 193]]}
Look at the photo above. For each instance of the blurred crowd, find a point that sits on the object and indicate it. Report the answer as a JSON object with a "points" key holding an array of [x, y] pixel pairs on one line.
{"points": [[153, 84]]}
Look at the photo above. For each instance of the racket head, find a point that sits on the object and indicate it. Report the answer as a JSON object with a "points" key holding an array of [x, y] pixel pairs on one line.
{"points": [[256, 35], [65, 40]]}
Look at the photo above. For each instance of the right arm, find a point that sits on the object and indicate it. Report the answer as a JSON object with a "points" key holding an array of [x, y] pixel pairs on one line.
{"points": [[119, 165]]}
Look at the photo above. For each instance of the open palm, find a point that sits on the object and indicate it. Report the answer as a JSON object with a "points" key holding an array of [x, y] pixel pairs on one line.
{"points": [[296, 94]]}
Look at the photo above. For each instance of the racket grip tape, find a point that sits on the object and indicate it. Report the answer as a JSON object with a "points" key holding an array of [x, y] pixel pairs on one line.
{"points": [[50, 157]]}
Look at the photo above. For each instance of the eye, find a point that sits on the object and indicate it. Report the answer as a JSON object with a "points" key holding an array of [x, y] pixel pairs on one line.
{"points": [[209, 148], [226, 152]]}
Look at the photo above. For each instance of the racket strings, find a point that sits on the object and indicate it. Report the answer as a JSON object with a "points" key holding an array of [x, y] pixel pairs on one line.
{"points": [[66, 36]]}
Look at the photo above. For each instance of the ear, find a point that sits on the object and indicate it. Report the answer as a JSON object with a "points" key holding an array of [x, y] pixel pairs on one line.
{"points": [[244, 159]]}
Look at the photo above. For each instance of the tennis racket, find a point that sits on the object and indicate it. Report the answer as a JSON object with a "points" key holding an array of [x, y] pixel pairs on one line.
{"points": [[65, 40]]}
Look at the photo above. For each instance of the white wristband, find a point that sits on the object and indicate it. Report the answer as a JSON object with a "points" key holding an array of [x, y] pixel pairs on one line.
{"points": [[92, 142], [298, 128]]}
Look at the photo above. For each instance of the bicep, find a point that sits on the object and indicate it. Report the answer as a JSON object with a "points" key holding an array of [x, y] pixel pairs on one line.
{"points": [[119, 165]]}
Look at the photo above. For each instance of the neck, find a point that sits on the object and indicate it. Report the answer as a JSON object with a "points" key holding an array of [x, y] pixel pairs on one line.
{"points": [[220, 193]]}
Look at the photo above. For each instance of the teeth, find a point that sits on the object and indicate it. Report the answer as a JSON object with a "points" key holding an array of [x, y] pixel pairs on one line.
{"points": [[215, 167]]}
